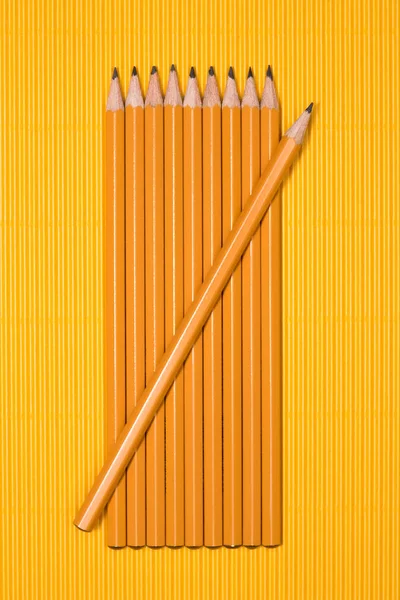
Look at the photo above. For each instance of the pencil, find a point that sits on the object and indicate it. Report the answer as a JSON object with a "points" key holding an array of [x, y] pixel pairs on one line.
{"points": [[191, 325], [212, 333], [193, 276], [232, 321], [135, 302], [271, 338], [251, 326], [115, 297], [174, 406], [154, 249]]}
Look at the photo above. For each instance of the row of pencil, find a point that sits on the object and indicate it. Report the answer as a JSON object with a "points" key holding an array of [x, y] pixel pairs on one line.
{"points": [[209, 470]]}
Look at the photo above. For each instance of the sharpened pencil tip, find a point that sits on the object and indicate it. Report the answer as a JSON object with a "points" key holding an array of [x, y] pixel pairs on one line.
{"points": [[153, 70], [115, 73], [230, 73], [211, 71], [172, 69], [192, 74], [134, 71], [309, 107], [250, 73], [269, 73]]}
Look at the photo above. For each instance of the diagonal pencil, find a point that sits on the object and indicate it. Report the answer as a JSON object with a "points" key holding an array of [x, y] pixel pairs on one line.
{"points": [[192, 324]]}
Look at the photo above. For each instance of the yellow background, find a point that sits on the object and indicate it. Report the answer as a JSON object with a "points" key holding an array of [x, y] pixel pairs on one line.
{"points": [[341, 292]]}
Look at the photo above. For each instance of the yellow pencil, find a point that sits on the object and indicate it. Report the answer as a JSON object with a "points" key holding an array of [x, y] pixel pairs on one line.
{"points": [[174, 403], [154, 237], [135, 301], [271, 340], [212, 333], [115, 298], [232, 321], [193, 276], [251, 326]]}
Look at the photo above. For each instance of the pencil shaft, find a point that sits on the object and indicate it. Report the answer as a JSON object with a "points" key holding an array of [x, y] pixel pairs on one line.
{"points": [[193, 368], [212, 333], [154, 242], [174, 404], [135, 309], [115, 310], [251, 331], [232, 335], [190, 328], [271, 311]]}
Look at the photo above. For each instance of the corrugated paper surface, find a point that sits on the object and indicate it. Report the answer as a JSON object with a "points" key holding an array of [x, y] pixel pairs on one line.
{"points": [[341, 337]]}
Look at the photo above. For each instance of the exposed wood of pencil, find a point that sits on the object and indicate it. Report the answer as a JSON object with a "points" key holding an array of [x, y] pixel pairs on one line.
{"points": [[174, 404], [115, 298], [191, 326], [212, 333], [193, 276], [232, 322], [154, 245], [251, 324], [135, 302], [271, 310]]}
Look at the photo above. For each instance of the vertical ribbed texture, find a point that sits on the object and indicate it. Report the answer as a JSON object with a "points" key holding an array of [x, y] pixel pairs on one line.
{"points": [[341, 290]]}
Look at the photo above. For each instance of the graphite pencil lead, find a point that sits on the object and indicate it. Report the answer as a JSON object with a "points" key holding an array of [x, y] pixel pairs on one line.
{"points": [[250, 97], [310, 107], [269, 73], [250, 73], [173, 95], [298, 129], [172, 69], [230, 73], [154, 95], [134, 97], [192, 95], [153, 70], [269, 98], [231, 97], [114, 100], [211, 93]]}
